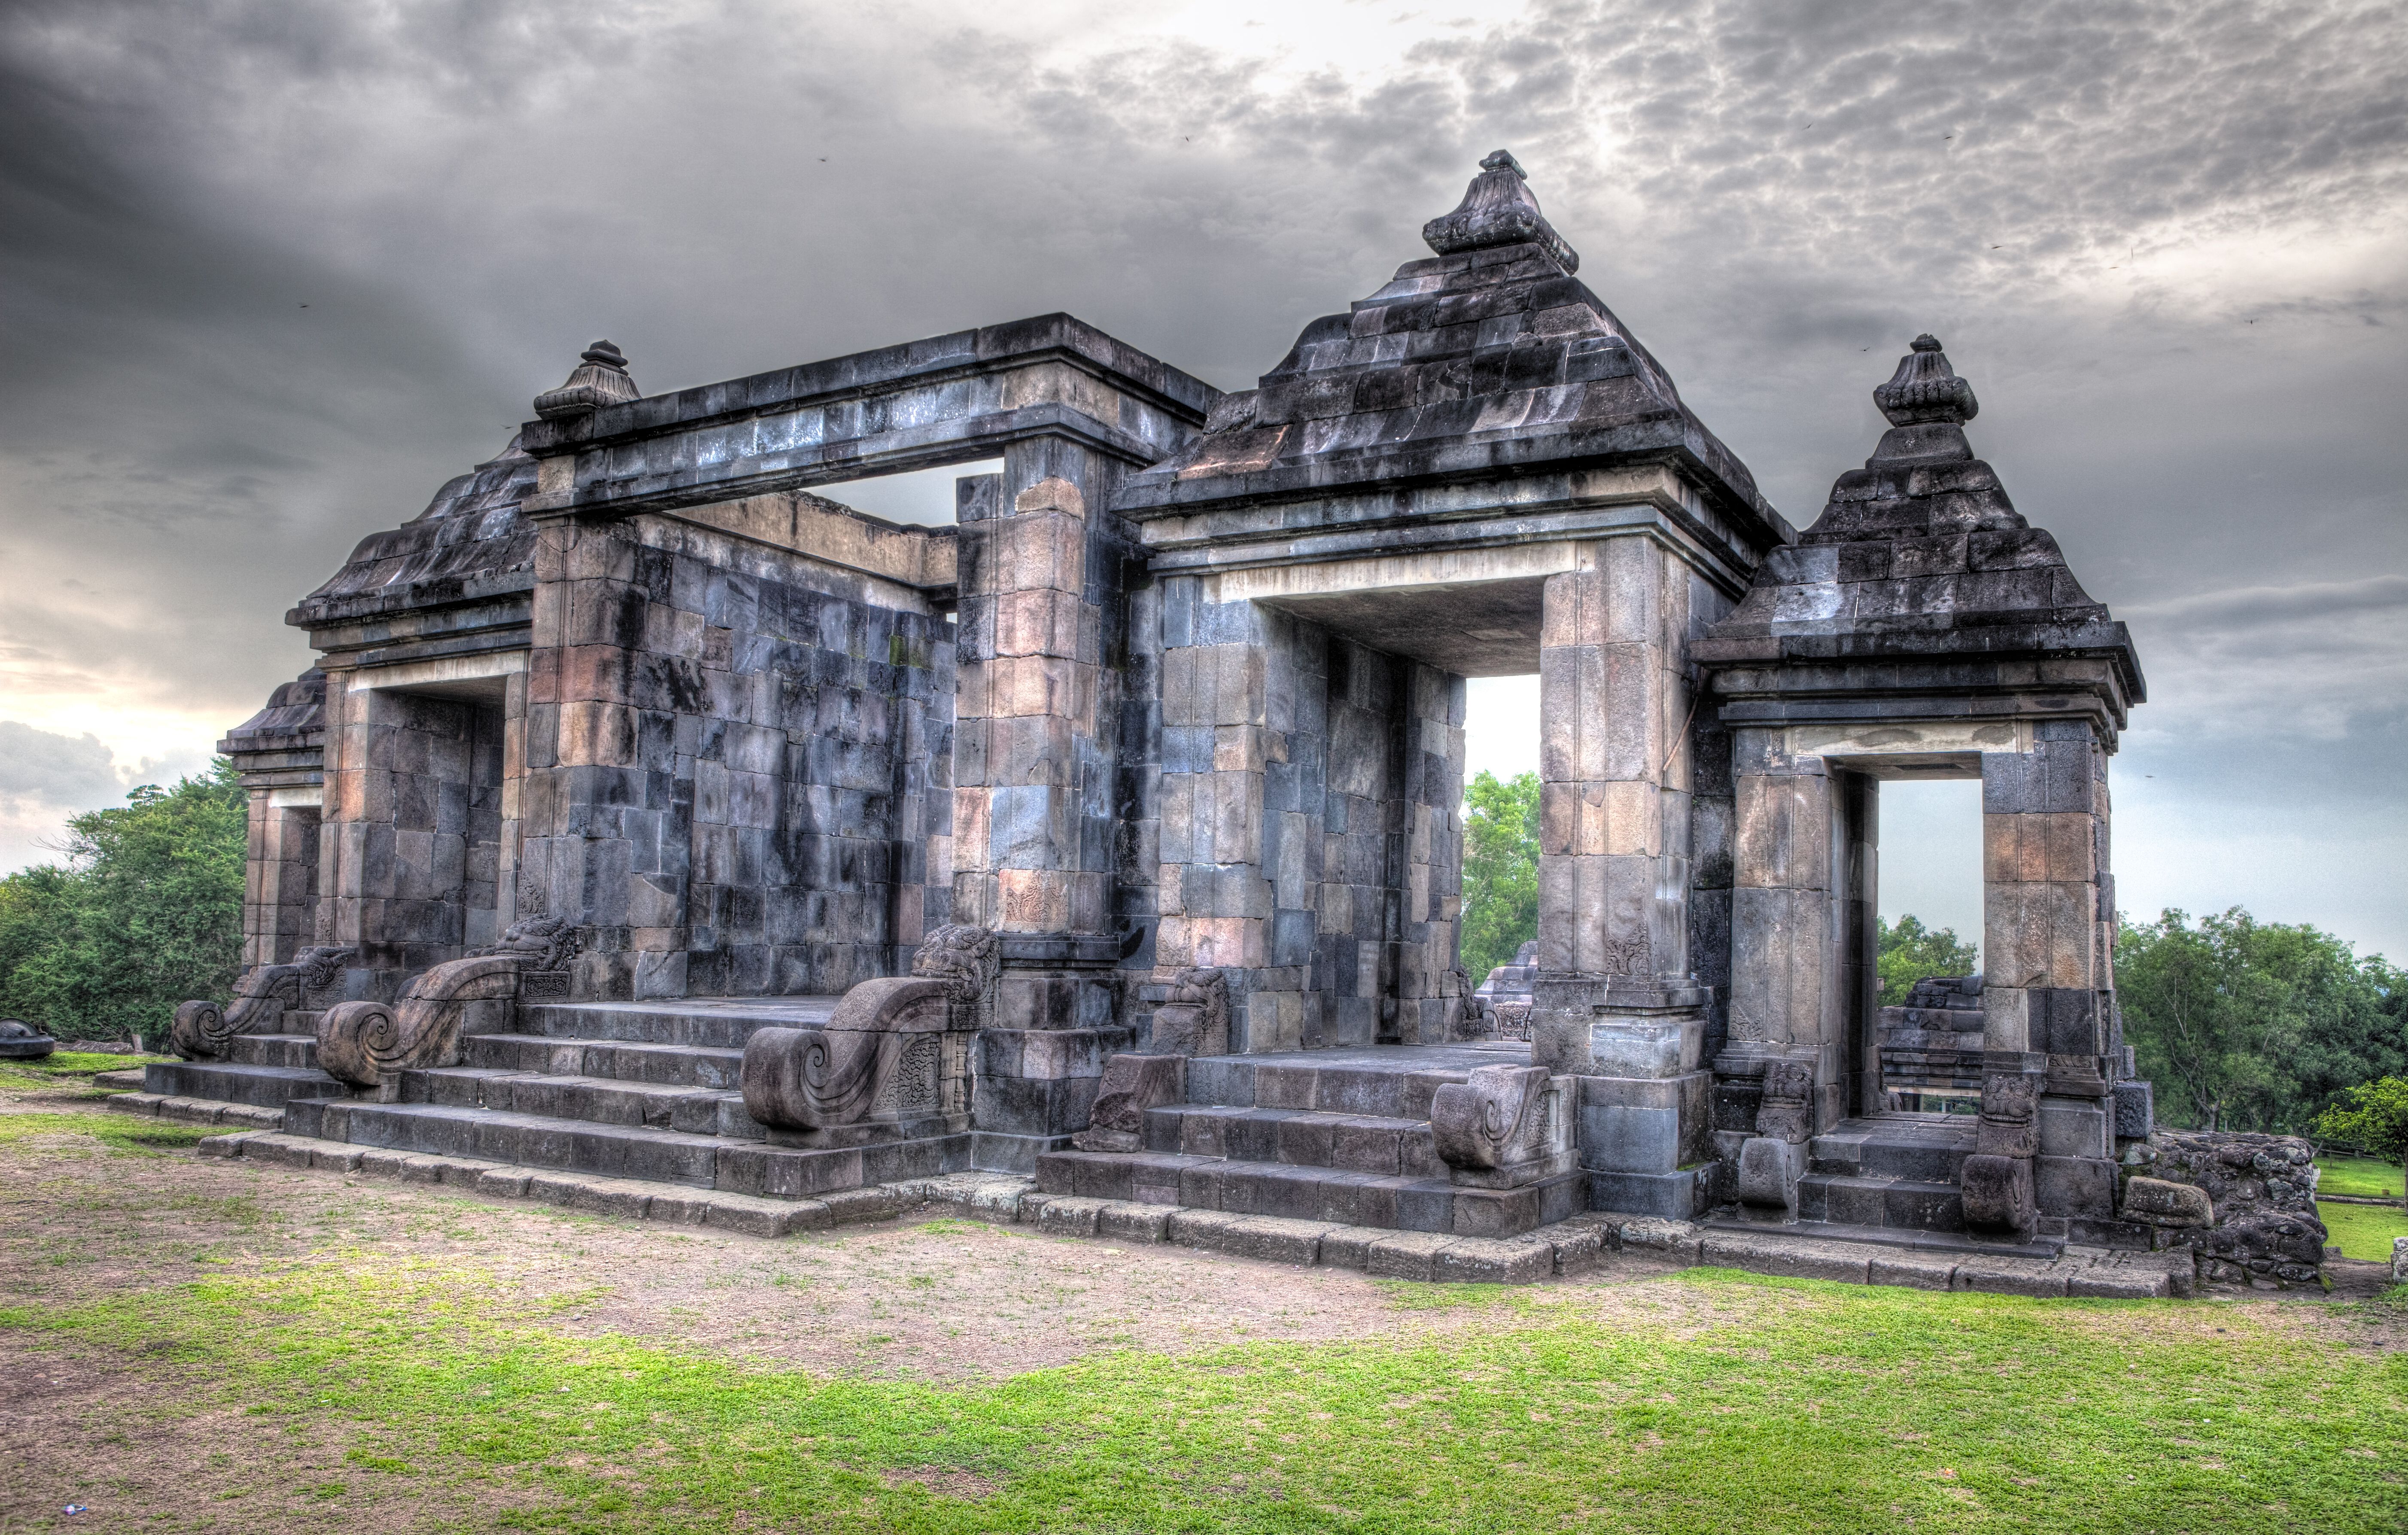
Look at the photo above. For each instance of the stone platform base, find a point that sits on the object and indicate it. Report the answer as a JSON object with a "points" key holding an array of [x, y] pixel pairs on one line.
{"points": [[1564, 1248]]}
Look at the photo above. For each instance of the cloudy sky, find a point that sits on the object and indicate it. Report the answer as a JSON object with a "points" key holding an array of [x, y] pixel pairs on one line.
{"points": [[270, 272]]}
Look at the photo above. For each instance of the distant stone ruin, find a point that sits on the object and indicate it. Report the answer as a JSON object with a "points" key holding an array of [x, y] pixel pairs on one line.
{"points": [[651, 819]]}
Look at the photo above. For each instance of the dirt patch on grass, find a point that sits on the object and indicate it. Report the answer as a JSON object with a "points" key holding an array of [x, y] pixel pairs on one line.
{"points": [[945, 1481]]}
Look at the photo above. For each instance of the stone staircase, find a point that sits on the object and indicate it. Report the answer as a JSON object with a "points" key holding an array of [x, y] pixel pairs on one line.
{"points": [[1890, 1179], [639, 1090], [1342, 1136]]}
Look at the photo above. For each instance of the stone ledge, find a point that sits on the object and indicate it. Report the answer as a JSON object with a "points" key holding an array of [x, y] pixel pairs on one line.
{"points": [[1567, 1247]]}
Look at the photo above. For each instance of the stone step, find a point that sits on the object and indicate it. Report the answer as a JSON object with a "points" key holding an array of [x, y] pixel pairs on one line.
{"points": [[591, 1099], [1884, 1203], [1921, 1149], [621, 1150], [1392, 1082], [236, 1082], [673, 1065], [291, 1049], [1903, 1239], [1352, 1143], [1390, 1202], [713, 1022]]}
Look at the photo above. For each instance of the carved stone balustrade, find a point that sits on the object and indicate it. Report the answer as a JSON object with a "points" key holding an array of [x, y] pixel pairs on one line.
{"points": [[261, 999]]}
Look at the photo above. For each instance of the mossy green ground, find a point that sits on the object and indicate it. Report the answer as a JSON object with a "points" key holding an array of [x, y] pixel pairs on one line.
{"points": [[367, 1389], [2360, 1175], [1813, 1407]]}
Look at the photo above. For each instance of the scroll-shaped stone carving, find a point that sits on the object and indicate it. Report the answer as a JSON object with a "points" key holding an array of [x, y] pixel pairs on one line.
{"points": [[1195, 1020], [816, 1079], [261, 997], [1995, 1184], [1787, 1112], [1131, 1085], [1500, 1127], [364, 1043]]}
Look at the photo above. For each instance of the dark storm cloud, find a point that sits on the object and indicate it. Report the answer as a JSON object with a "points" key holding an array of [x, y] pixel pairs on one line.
{"points": [[2162, 240]]}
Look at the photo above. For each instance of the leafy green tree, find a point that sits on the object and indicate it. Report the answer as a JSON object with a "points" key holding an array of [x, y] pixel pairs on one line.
{"points": [[146, 913], [2375, 1115], [1911, 951], [2249, 1025], [1501, 870]]}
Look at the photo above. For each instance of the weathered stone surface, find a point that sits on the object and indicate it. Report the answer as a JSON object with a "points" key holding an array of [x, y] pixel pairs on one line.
{"points": [[1998, 1193], [21, 1041]]}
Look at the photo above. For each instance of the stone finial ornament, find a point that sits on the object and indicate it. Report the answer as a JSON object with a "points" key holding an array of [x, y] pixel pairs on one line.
{"points": [[1925, 391], [600, 378], [1498, 209]]}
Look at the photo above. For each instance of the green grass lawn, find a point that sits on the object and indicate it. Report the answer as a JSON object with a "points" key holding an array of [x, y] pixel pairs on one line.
{"points": [[1804, 1406], [2357, 1176], [2363, 1230]]}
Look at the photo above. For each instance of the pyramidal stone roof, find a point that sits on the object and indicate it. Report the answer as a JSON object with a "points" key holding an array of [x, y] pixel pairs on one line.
{"points": [[1489, 358], [1920, 554]]}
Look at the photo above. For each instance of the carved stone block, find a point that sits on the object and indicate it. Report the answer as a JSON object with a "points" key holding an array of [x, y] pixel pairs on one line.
{"points": [[2009, 1121], [1787, 1112], [1195, 1020], [1768, 1169], [1998, 1193], [1502, 1127], [1131, 1085]]}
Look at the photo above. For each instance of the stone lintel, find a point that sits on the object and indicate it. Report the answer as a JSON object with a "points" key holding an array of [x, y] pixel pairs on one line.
{"points": [[930, 363], [1360, 536]]}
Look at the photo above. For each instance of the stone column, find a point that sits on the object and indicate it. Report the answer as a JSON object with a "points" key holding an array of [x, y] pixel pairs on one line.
{"points": [[1613, 1003], [2048, 994], [1035, 753]]}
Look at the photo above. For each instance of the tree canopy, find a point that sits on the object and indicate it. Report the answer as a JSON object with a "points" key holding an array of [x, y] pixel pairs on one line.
{"points": [[2250, 1025], [146, 913], [1501, 870], [1911, 951]]}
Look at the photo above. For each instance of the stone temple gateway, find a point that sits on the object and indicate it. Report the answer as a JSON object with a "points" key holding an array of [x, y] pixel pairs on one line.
{"points": [[649, 816]]}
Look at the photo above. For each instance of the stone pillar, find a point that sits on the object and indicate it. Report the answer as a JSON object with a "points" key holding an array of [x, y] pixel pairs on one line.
{"points": [[2048, 993], [1614, 1004], [1035, 762], [1614, 764]]}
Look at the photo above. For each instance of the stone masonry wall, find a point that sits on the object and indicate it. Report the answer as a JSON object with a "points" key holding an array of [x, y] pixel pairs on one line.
{"points": [[1308, 833], [737, 762]]}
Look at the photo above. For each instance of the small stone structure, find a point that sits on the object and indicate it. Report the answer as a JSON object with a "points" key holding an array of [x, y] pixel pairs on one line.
{"points": [[21, 1041], [649, 815], [1503, 999]]}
